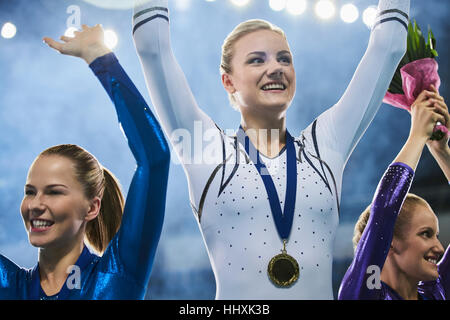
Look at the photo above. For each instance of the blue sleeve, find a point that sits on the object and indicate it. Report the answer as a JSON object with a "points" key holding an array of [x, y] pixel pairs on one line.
{"points": [[10, 275], [136, 241], [376, 239]]}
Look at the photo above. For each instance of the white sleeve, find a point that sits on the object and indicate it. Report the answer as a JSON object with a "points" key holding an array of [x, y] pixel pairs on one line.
{"points": [[348, 119], [169, 90]]}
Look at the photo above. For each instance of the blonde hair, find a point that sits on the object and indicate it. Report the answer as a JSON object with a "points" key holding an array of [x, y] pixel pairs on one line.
{"points": [[401, 224], [238, 32], [96, 181]]}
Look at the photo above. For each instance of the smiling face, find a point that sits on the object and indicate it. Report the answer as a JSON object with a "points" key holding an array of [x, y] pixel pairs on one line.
{"points": [[262, 76], [418, 251], [54, 208]]}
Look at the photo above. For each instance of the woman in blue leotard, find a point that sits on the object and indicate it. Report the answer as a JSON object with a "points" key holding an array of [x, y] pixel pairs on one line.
{"points": [[71, 199], [397, 247]]}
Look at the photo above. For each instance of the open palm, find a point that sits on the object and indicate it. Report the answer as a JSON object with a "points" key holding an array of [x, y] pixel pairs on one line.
{"points": [[87, 43]]}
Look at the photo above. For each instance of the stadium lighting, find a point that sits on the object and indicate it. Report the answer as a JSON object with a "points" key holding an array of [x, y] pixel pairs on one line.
{"points": [[9, 30], [277, 5], [111, 39], [325, 9], [369, 16], [70, 32], [349, 13], [240, 3], [296, 7]]}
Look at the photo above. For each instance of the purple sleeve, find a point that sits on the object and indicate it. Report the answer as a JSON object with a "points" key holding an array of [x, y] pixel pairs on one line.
{"points": [[444, 272], [376, 239]]}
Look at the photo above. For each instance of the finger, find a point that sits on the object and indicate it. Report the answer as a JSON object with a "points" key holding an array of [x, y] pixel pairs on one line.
{"points": [[433, 88], [66, 38], [53, 44], [440, 103], [444, 112], [422, 96], [435, 95], [424, 104], [437, 117], [84, 27]]}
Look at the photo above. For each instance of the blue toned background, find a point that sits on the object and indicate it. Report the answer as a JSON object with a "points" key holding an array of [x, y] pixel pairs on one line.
{"points": [[48, 99]]}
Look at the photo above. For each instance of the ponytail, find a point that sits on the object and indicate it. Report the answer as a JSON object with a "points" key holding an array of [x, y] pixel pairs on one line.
{"points": [[100, 231]]}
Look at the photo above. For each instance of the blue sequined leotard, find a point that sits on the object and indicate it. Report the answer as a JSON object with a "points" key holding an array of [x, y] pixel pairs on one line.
{"points": [[122, 272]]}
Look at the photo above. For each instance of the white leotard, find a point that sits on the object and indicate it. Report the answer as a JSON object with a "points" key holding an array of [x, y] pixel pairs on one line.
{"points": [[227, 194]]}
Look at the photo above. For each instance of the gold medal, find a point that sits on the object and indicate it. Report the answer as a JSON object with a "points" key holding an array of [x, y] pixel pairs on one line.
{"points": [[283, 269]]}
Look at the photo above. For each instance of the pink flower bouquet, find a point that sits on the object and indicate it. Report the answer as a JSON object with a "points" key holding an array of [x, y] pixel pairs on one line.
{"points": [[415, 73]]}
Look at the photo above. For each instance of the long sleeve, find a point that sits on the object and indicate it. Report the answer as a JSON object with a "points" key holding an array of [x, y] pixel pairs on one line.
{"points": [[194, 136], [136, 241], [169, 90], [347, 120], [444, 272], [9, 279], [375, 241]]}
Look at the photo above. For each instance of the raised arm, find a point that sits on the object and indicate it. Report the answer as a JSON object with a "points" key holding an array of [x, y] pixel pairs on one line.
{"points": [[440, 149], [376, 239], [136, 241], [169, 90], [352, 114]]}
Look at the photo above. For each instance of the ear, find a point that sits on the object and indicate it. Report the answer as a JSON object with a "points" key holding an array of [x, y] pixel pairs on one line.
{"points": [[227, 82], [94, 209], [393, 249]]}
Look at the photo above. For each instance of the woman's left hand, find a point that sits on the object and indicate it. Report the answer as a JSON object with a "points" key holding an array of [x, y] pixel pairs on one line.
{"points": [[439, 103], [87, 44]]}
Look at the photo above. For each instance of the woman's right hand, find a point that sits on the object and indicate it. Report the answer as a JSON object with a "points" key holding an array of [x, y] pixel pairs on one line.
{"points": [[87, 44], [428, 109]]}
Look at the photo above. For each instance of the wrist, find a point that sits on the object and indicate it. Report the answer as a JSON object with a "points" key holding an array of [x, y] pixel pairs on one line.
{"points": [[94, 52], [417, 139]]}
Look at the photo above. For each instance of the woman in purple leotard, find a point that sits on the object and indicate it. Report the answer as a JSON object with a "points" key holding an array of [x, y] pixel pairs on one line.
{"points": [[396, 238]]}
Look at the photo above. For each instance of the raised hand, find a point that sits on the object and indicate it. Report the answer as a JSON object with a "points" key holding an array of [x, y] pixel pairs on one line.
{"points": [[87, 44], [442, 144], [427, 109]]}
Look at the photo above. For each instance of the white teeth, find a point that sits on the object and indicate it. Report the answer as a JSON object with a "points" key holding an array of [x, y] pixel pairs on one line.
{"points": [[434, 261], [40, 223], [274, 86]]}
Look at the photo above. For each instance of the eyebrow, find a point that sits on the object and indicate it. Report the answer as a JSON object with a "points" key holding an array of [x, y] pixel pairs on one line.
{"points": [[262, 53], [284, 52], [49, 186], [427, 229], [259, 53]]}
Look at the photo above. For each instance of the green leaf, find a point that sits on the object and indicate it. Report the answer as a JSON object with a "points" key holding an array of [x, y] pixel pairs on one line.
{"points": [[417, 48]]}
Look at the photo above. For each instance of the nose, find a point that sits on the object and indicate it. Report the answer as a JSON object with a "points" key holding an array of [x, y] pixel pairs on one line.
{"points": [[36, 205], [438, 248], [275, 69], [276, 74]]}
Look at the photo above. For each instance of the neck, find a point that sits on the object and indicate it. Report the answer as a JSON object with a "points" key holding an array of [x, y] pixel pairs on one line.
{"points": [[53, 265], [268, 134], [404, 285]]}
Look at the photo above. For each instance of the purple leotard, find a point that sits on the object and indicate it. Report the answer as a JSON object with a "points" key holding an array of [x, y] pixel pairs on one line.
{"points": [[375, 242]]}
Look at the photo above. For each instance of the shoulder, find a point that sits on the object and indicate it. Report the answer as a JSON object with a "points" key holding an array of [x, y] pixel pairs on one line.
{"points": [[8, 267]]}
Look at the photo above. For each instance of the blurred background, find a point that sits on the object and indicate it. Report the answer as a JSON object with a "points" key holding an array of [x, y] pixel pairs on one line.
{"points": [[48, 99]]}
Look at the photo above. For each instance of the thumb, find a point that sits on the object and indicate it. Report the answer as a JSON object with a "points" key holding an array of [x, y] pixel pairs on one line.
{"points": [[53, 44]]}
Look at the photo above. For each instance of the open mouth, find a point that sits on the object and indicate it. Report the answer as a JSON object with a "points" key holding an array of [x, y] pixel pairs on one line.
{"points": [[432, 260], [273, 86], [39, 225]]}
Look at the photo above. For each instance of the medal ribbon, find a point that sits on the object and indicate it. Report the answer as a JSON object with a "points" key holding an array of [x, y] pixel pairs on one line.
{"points": [[283, 219]]}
